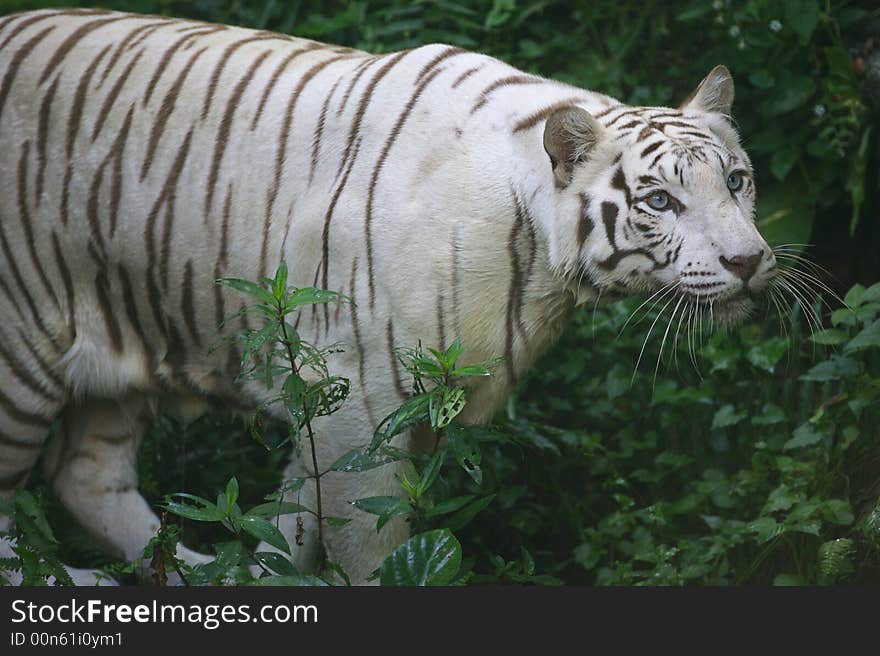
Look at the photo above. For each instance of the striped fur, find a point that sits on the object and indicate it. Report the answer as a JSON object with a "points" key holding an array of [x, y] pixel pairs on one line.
{"points": [[144, 157]]}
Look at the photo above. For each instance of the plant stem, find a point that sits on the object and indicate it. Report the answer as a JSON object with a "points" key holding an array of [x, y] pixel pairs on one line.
{"points": [[319, 514]]}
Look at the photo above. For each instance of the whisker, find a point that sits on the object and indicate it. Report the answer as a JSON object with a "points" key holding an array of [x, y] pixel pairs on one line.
{"points": [[684, 311], [663, 342], [647, 337], [665, 288]]}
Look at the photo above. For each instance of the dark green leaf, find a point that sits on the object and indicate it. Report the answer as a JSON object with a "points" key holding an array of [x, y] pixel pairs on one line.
{"points": [[264, 530], [431, 558]]}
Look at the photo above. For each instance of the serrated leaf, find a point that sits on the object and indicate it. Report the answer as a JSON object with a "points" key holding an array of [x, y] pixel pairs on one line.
{"points": [[868, 338], [804, 435], [727, 415], [770, 414], [430, 558], [835, 368]]}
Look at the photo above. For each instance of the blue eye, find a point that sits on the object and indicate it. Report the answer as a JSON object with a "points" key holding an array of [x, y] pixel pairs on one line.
{"points": [[659, 200], [734, 181]]}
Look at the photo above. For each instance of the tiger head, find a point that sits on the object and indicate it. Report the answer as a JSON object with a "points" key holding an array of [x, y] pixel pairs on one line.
{"points": [[659, 198]]}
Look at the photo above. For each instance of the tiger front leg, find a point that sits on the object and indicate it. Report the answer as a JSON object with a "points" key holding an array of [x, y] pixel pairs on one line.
{"points": [[92, 466]]}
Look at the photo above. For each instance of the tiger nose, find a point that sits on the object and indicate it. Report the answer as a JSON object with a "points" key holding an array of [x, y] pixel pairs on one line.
{"points": [[742, 266]]}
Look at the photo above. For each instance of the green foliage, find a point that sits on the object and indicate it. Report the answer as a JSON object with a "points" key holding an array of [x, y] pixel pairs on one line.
{"points": [[762, 471], [36, 549]]}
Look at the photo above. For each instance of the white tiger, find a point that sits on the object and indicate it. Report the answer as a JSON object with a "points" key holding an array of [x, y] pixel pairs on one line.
{"points": [[142, 157]]}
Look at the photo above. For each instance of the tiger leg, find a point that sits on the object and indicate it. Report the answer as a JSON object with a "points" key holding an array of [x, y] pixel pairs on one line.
{"points": [[93, 469], [356, 546], [31, 394]]}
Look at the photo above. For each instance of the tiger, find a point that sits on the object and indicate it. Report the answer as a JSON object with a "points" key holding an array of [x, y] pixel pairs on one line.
{"points": [[447, 194]]}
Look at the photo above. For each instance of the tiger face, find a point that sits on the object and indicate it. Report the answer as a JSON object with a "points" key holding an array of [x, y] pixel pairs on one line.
{"points": [[663, 199]]}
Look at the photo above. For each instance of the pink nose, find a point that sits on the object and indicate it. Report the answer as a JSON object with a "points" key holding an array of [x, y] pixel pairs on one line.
{"points": [[742, 266]]}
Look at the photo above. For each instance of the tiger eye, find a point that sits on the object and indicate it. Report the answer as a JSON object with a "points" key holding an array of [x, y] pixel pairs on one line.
{"points": [[659, 200], [734, 181]]}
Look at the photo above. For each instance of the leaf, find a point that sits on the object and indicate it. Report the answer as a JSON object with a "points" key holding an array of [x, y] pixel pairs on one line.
{"points": [[377, 505], [854, 296], [869, 338], [793, 93], [470, 370], [231, 492], [804, 435], [830, 337], [466, 449], [289, 581], [765, 529], [782, 162], [802, 16], [871, 294], [293, 391], [766, 354], [444, 405], [277, 563], [835, 368], [466, 514], [727, 415], [276, 508], [248, 287], [337, 521], [783, 580], [430, 473], [362, 459], [770, 414], [430, 558], [310, 296], [279, 285], [410, 412], [208, 512], [264, 530], [449, 505]]}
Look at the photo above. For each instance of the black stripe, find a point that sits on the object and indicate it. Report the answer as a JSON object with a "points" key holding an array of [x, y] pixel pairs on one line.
{"points": [[67, 281], [225, 128], [102, 290], [25, 216], [21, 416], [42, 133], [389, 142], [14, 64], [395, 372], [25, 377], [187, 304]]}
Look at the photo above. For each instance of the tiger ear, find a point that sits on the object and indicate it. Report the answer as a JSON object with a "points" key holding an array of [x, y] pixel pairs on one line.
{"points": [[569, 135], [714, 94]]}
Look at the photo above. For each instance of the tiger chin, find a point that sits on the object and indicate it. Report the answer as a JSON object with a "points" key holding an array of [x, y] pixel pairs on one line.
{"points": [[449, 195]]}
